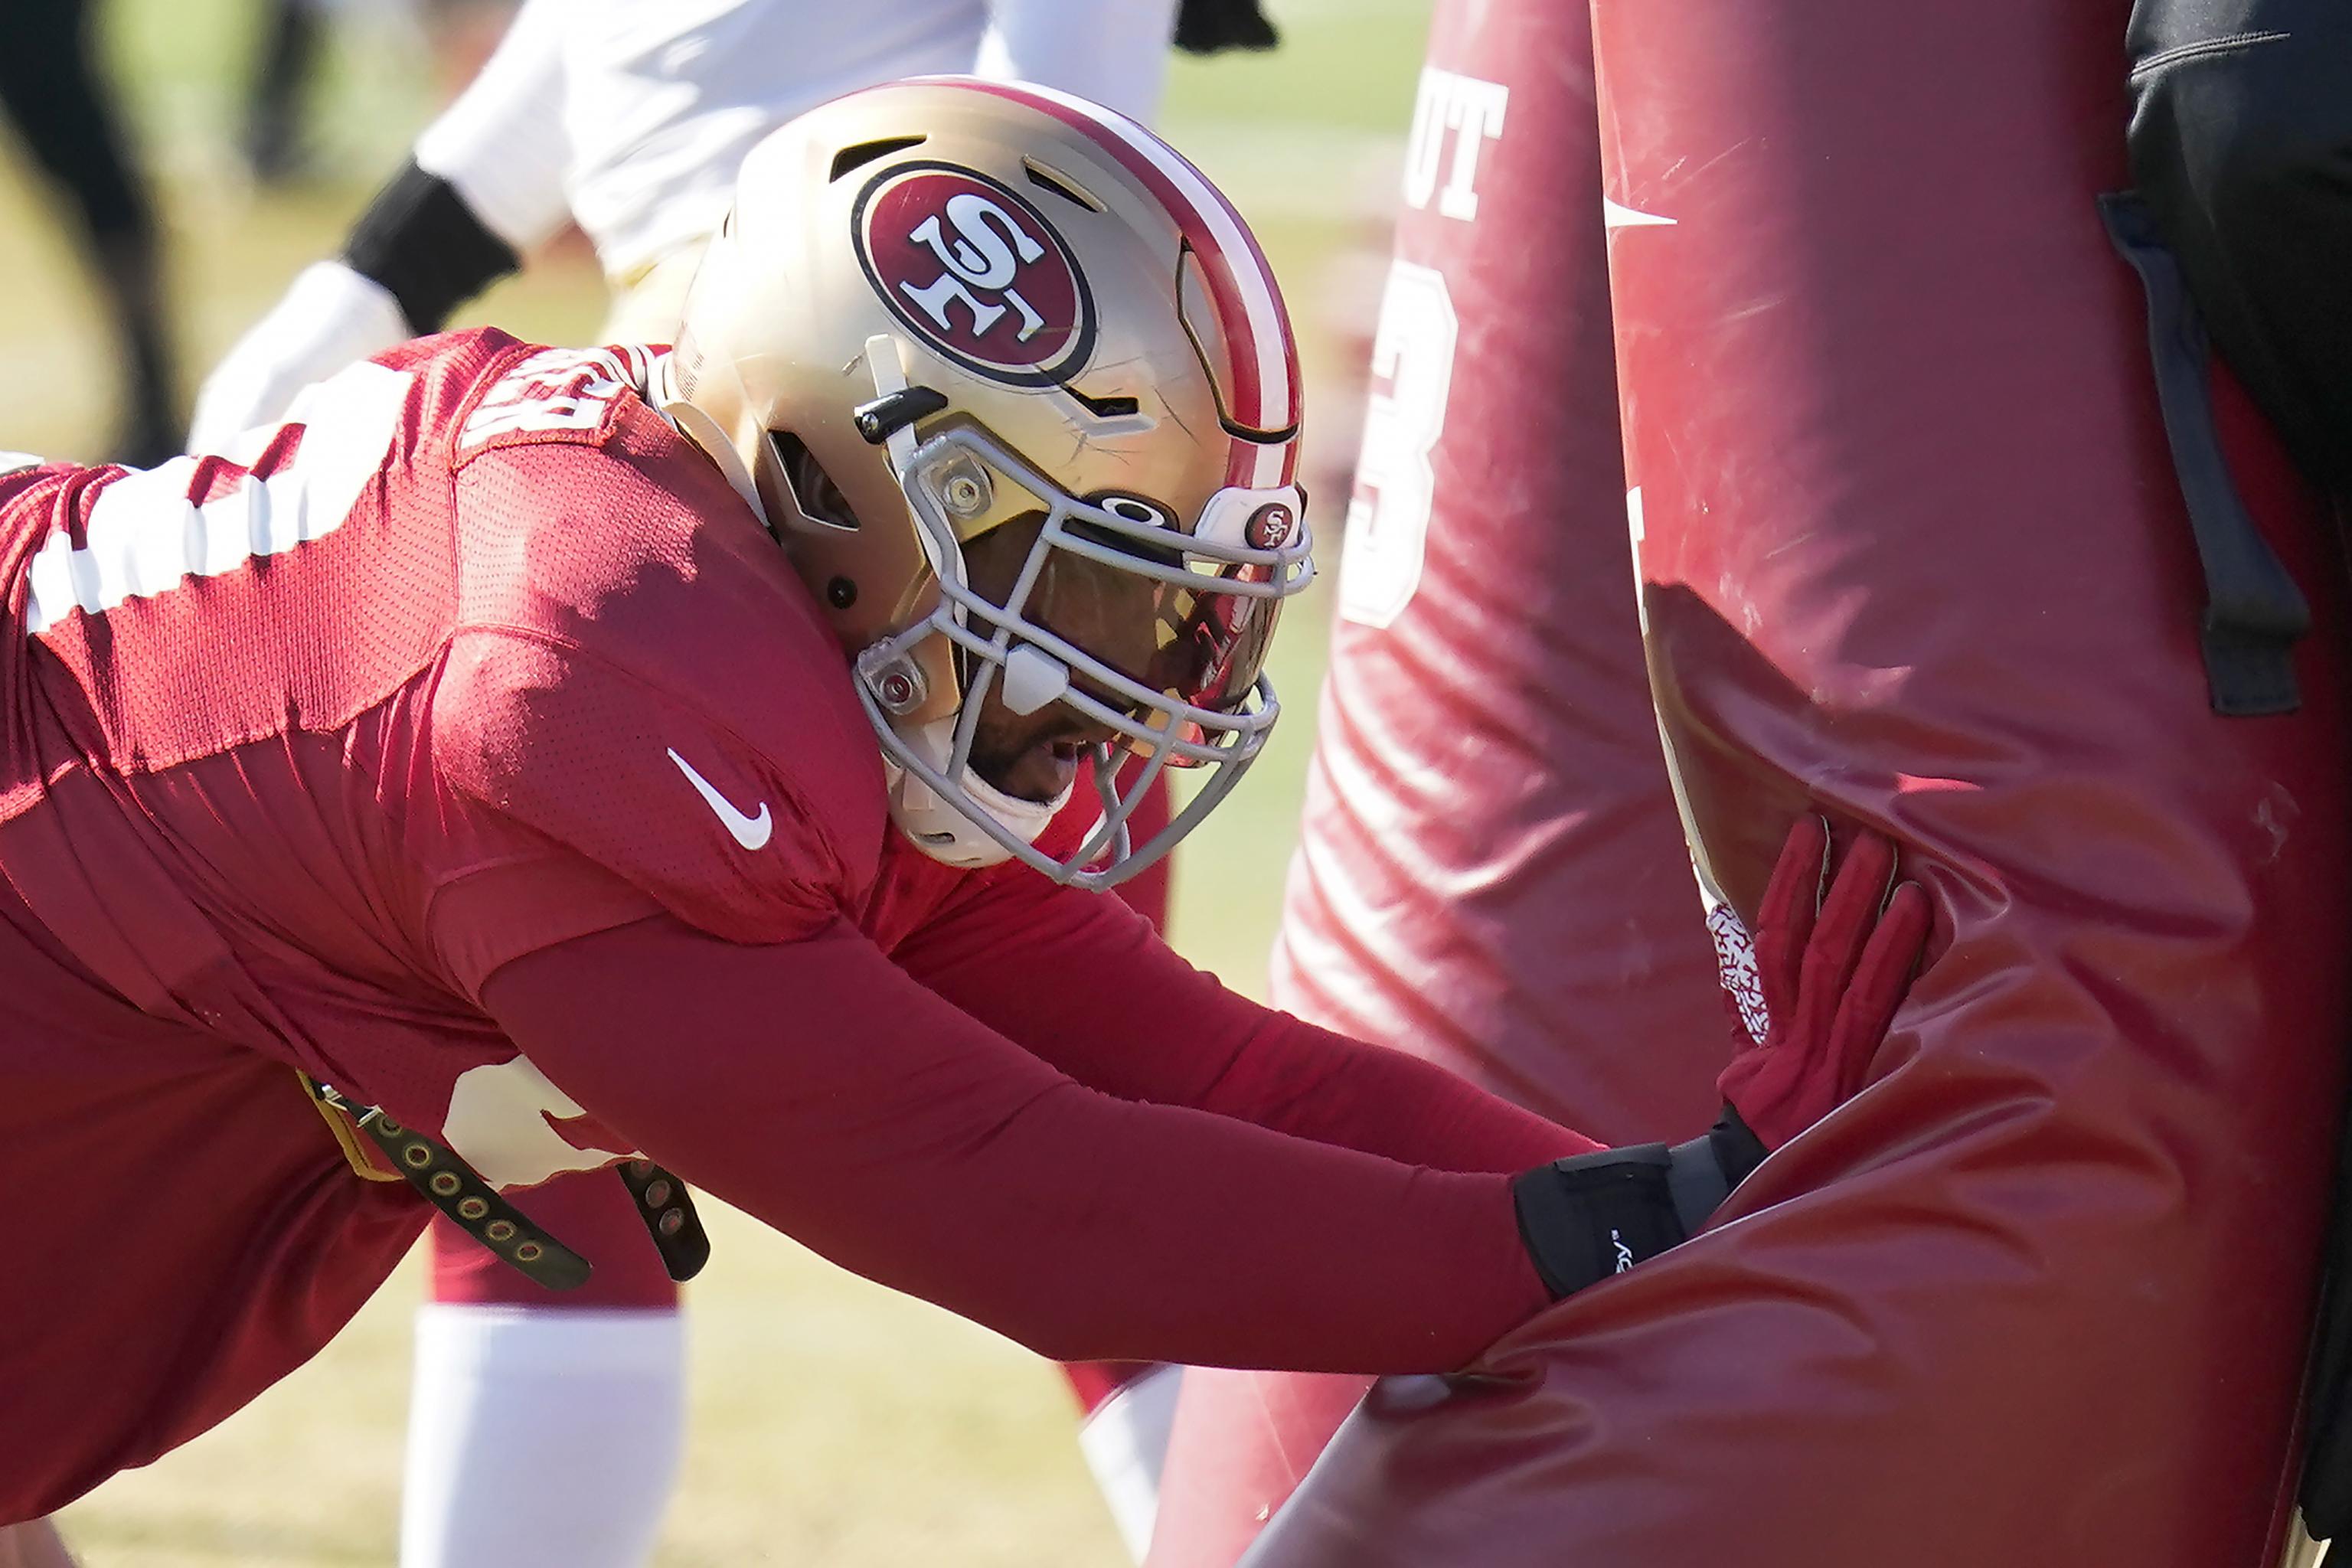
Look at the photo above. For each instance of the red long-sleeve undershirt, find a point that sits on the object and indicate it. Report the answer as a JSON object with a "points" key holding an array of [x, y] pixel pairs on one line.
{"points": [[1084, 983], [1292, 1200]]}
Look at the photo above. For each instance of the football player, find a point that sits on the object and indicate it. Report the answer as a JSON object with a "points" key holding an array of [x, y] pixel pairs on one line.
{"points": [[522, 761], [632, 120]]}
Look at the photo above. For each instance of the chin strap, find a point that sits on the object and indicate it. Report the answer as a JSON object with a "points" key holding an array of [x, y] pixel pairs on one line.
{"points": [[945, 831], [670, 401], [1029, 818]]}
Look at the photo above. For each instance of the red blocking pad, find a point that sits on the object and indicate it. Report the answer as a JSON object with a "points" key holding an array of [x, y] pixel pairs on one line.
{"points": [[1490, 873], [1912, 550]]}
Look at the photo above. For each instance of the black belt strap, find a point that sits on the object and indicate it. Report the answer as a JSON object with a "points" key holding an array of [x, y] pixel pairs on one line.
{"points": [[458, 1191], [667, 1209], [2254, 611]]}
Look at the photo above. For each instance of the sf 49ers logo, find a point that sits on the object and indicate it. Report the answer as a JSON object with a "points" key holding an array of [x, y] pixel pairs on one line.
{"points": [[976, 272], [1270, 526]]}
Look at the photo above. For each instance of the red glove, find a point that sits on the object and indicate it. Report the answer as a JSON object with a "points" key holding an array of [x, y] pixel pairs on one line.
{"points": [[1833, 956], [1816, 992]]}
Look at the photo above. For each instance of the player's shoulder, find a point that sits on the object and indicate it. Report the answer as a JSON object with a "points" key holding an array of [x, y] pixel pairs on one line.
{"points": [[40, 498], [580, 511], [553, 420], [480, 391], [721, 768], [625, 619], [22, 474]]}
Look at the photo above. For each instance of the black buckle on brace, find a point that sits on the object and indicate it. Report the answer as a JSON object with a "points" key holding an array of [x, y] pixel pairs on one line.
{"points": [[451, 1185]]}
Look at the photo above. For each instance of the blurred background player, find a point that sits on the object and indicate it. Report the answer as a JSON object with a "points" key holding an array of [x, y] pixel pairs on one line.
{"points": [[286, 61], [629, 120], [57, 97], [546, 1427], [290, 55]]}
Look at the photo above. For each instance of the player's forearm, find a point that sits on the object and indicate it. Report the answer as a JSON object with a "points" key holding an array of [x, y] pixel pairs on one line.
{"points": [[821, 1089], [1094, 992], [1092, 1228], [420, 243], [1312, 1083], [501, 142]]}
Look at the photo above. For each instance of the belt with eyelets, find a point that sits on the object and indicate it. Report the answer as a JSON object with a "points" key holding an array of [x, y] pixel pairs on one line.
{"points": [[382, 1149]]}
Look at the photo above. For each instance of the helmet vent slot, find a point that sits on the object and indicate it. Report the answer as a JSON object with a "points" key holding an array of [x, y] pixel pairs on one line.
{"points": [[1047, 178], [1104, 407], [864, 152], [813, 490], [1134, 509]]}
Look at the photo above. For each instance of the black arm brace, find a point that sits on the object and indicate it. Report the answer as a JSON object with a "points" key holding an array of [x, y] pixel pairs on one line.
{"points": [[424, 245], [1586, 1218]]}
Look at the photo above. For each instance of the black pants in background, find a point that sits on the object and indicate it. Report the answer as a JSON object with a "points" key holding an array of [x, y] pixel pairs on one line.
{"points": [[52, 92]]}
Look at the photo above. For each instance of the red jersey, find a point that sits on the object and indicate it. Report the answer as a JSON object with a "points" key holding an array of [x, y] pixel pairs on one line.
{"points": [[470, 660], [258, 782]]}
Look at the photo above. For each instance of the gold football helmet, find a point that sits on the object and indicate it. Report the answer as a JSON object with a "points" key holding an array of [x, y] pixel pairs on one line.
{"points": [[1015, 388]]}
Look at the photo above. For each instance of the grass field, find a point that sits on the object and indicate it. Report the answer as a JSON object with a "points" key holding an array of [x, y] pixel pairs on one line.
{"points": [[833, 1423]]}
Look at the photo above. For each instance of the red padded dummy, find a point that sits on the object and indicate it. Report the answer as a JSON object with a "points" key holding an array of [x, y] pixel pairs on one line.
{"points": [[1914, 550], [1490, 873]]}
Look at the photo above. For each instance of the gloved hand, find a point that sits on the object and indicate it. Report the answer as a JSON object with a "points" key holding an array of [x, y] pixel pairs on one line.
{"points": [[1834, 957], [1815, 992], [331, 318]]}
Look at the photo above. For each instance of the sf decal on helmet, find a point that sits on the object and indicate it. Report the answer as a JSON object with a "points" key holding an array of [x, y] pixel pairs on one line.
{"points": [[975, 271]]}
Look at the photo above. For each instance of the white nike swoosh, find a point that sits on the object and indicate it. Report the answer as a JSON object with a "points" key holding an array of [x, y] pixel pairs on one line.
{"points": [[750, 832]]}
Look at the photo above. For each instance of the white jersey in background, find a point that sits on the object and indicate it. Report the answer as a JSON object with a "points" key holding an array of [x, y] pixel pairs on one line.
{"points": [[662, 101], [630, 117]]}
